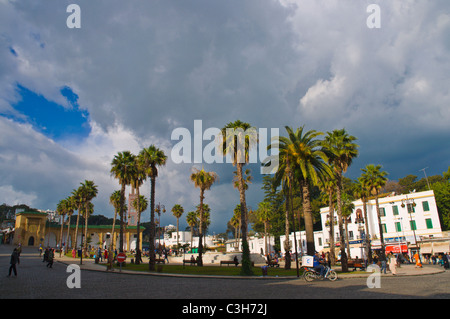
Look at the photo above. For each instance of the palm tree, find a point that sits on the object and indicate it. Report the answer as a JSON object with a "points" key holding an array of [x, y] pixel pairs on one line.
{"points": [[90, 190], [235, 222], [308, 161], [79, 198], [347, 209], [177, 211], [237, 140], [123, 168], [203, 180], [341, 152], [70, 207], [237, 216], [152, 158], [140, 204], [375, 179], [114, 200], [137, 181], [192, 221]]}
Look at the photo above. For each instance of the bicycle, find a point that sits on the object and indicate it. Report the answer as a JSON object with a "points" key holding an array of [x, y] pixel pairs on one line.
{"points": [[310, 274]]}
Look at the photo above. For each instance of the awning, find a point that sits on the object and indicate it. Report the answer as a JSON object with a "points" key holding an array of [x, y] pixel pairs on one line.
{"points": [[440, 247], [396, 249], [425, 248]]}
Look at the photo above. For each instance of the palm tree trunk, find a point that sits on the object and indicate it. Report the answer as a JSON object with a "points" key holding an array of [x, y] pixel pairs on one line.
{"points": [[151, 263], [61, 236], [200, 234], [246, 262], [307, 215], [332, 249], [68, 235], [347, 239], [367, 240], [344, 264], [383, 254], [86, 227], [76, 228], [138, 229], [287, 244], [121, 213]]}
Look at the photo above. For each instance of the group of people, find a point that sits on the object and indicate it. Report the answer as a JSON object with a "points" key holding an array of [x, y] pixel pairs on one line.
{"points": [[49, 255]]}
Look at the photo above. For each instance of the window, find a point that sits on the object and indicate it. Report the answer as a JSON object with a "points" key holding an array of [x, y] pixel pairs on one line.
{"points": [[411, 208], [429, 223], [426, 207], [412, 223], [398, 226], [350, 234], [382, 212], [320, 241], [383, 227], [395, 210]]}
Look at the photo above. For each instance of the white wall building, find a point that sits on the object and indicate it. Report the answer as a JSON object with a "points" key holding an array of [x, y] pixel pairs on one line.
{"points": [[256, 245], [405, 220], [300, 236]]}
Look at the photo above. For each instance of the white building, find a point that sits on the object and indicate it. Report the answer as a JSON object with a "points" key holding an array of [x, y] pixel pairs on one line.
{"points": [[406, 220], [256, 245], [300, 236]]}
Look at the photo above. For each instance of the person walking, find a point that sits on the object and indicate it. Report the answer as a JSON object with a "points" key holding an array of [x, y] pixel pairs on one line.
{"points": [[14, 260], [383, 264], [51, 255], [417, 258], [392, 263]]}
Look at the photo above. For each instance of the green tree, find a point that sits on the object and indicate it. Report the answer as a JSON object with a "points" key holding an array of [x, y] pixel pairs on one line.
{"points": [[192, 221], [152, 158], [202, 180], [90, 192], [442, 196]]}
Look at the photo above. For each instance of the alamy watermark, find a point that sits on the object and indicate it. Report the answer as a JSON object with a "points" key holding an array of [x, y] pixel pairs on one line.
{"points": [[74, 279], [236, 140]]}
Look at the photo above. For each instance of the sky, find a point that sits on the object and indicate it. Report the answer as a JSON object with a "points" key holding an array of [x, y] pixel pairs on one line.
{"points": [[133, 72]]}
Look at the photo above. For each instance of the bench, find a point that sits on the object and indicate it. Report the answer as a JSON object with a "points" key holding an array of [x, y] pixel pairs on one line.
{"points": [[188, 261], [272, 263], [228, 262], [356, 264], [160, 260]]}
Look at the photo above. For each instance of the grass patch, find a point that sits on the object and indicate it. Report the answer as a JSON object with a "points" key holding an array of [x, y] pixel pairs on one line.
{"points": [[208, 270]]}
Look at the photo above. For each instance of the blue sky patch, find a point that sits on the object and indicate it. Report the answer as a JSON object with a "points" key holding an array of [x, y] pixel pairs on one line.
{"points": [[52, 119]]}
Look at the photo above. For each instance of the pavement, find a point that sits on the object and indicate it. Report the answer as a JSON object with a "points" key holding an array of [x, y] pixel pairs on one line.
{"points": [[403, 270]]}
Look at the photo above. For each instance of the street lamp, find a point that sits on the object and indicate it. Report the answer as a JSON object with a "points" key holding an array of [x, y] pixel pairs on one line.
{"points": [[360, 221], [410, 204], [159, 208]]}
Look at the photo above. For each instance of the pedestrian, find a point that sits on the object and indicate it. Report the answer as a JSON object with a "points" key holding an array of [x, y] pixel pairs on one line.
{"points": [[392, 263], [100, 256], [445, 260], [417, 258], [40, 250], [74, 253], [45, 255], [51, 255], [383, 264], [14, 260]]}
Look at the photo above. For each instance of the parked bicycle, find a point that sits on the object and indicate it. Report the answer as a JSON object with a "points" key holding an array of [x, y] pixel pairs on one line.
{"points": [[310, 274]]}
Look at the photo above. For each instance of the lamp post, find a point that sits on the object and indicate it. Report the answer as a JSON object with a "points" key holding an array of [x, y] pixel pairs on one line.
{"points": [[360, 221], [410, 204], [158, 210]]}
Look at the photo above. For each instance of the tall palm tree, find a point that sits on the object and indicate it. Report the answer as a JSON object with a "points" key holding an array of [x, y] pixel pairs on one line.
{"points": [[114, 200], [375, 179], [122, 168], [177, 211], [341, 152], [140, 204], [309, 162], [237, 216], [61, 210], [235, 222], [138, 179], [203, 180], [70, 207], [90, 190], [192, 221], [347, 209], [152, 158], [78, 196], [237, 140]]}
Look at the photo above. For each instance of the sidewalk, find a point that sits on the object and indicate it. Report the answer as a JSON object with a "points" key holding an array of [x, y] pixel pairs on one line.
{"points": [[404, 270]]}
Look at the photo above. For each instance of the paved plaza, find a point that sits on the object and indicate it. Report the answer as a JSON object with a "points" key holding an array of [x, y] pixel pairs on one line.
{"points": [[35, 281]]}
